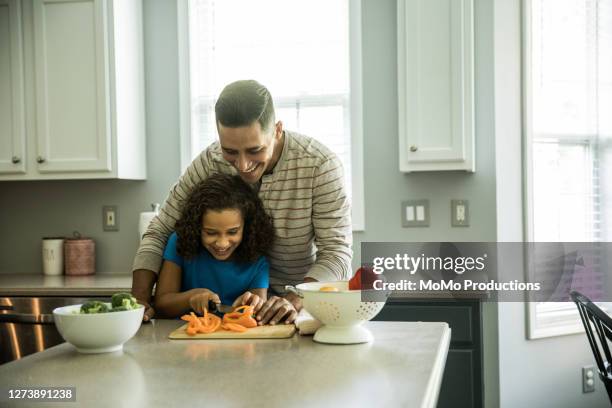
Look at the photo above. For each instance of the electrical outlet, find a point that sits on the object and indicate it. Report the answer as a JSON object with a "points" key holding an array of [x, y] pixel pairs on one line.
{"points": [[588, 379], [110, 218], [460, 214], [415, 213]]}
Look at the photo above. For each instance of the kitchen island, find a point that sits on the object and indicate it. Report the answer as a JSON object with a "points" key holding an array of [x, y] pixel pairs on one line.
{"points": [[402, 367]]}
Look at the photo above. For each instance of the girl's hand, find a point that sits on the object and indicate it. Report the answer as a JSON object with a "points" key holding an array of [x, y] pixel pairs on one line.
{"points": [[199, 301], [251, 299]]}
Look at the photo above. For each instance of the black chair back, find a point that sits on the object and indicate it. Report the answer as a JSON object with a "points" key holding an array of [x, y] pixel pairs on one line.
{"points": [[593, 317]]}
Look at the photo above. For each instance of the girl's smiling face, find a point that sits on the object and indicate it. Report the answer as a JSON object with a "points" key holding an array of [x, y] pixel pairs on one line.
{"points": [[222, 232]]}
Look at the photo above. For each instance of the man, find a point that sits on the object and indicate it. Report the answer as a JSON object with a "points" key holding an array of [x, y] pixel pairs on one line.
{"points": [[300, 183]]}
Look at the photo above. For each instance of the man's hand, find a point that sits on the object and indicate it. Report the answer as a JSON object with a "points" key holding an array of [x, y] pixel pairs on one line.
{"points": [[277, 309], [142, 287], [149, 312]]}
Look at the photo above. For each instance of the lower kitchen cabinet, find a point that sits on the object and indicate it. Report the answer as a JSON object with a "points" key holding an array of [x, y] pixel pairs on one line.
{"points": [[462, 384]]}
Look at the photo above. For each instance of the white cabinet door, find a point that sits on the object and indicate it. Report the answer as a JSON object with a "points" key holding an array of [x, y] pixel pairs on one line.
{"points": [[12, 108], [71, 86], [436, 85]]}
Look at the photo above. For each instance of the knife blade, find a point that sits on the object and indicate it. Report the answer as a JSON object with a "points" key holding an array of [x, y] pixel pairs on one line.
{"points": [[218, 307]]}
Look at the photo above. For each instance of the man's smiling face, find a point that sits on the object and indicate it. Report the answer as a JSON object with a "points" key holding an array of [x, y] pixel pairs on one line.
{"points": [[251, 150]]}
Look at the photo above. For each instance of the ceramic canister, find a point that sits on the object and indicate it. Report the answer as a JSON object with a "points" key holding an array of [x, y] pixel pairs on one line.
{"points": [[79, 255], [53, 255]]}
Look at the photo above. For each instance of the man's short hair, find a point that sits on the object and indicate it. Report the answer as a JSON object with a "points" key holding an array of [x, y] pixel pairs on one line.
{"points": [[241, 103]]}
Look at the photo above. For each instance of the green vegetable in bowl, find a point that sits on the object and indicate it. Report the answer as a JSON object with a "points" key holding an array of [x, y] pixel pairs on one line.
{"points": [[94, 306], [120, 302], [120, 309], [123, 301]]}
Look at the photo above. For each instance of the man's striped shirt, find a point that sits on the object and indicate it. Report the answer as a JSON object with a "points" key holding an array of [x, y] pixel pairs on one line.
{"points": [[306, 198]]}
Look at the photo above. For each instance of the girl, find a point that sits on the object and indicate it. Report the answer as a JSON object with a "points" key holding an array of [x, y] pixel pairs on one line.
{"points": [[216, 253]]}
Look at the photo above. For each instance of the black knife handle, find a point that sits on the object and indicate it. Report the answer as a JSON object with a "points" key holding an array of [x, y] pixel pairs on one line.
{"points": [[212, 306]]}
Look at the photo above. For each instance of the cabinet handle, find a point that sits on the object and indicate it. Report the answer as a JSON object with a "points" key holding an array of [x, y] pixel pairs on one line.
{"points": [[16, 159], [40, 159], [413, 148]]}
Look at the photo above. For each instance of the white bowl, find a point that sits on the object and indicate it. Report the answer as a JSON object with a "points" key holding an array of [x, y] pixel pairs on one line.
{"points": [[99, 332], [341, 312]]}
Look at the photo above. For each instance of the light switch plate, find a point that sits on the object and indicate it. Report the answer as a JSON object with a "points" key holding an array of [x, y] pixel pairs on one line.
{"points": [[110, 218], [460, 213], [415, 213]]}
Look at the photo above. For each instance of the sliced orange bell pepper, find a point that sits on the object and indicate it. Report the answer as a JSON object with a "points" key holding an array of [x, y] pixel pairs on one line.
{"points": [[244, 309], [242, 315], [210, 323], [247, 321], [239, 320], [206, 324], [234, 327]]}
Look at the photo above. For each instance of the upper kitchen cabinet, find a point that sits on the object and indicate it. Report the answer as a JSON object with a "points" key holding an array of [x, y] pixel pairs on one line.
{"points": [[436, 85], [71, 90], [12, 115]]}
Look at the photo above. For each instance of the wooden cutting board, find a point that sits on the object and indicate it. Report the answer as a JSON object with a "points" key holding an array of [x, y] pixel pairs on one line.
{"points": [[279, 331]]}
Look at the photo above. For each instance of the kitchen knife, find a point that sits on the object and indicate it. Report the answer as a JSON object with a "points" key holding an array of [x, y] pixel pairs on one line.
{"points": [[218, 307]]}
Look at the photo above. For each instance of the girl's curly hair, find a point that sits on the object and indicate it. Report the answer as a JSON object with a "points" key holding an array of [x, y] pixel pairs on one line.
{"points": [[221, 192]]}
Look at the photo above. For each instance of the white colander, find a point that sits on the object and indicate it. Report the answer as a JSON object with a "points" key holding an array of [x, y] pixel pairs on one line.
{"points": [[341, 312]]}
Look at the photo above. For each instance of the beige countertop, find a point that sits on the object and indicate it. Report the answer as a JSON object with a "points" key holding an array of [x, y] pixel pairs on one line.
{"points": [[402, 367], [42, 285]]}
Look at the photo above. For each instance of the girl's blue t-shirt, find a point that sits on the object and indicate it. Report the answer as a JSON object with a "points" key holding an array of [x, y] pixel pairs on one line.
{"points": [[228, 279]]}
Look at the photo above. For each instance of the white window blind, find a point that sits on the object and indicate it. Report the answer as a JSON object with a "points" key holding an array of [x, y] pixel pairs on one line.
{"points": [[298, 49], [569, 67]]}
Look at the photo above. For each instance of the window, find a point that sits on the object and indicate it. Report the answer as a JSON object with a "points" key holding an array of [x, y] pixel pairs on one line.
{"points": [[568, 89], [308, 59]]}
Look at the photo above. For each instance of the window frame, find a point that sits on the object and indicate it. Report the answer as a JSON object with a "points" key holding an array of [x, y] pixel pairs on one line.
{"points": [[563, 319], [355, 103]]}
